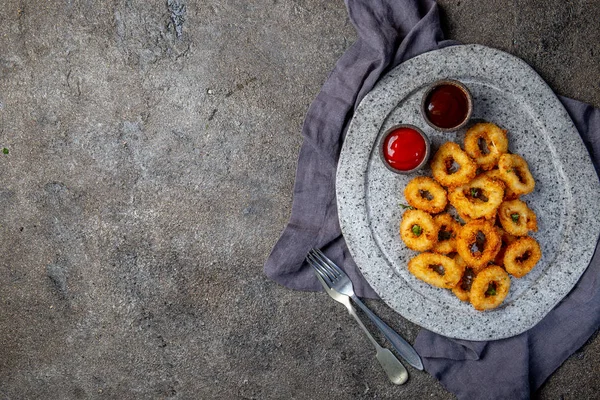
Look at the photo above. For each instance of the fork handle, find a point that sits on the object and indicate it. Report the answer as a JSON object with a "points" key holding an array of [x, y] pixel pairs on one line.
{"points": [[393, 368], [352, 312], [404, 349]]}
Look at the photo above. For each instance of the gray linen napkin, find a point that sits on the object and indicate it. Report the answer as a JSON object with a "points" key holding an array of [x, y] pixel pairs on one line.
{"points": [[390, 32]]}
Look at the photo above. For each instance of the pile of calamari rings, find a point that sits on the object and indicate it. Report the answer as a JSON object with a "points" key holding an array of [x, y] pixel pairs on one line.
{"points": [[469, 222]]}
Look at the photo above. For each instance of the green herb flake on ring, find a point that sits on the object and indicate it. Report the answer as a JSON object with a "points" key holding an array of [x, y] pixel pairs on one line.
{"points": [[491, 291], [417, 230]]}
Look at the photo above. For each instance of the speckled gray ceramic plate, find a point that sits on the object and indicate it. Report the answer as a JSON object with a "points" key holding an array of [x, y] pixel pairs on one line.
{"points": [[508, 92]]}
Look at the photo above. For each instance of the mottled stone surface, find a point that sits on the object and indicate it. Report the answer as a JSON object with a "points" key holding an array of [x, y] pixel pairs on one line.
{"points": [[152, 150], [507, 92]]}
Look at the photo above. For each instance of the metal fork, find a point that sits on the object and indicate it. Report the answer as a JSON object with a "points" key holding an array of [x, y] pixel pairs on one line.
{"points": [[336, 278], [393, 368]]}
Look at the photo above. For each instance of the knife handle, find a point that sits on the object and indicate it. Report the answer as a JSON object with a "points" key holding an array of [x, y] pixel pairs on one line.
{"points": [[404, 349]]}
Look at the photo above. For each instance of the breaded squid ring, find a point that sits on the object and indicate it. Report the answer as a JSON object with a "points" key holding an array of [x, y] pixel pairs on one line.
{"points": [[435, 269], [418, 230], [468, 239], [495, 174], [463, 287], [515, 172], [442, 163], [464, 218], [448, 229], [495, 140], [479, 198], [489, 288], [506, 239], [426, 194], [516, 218], [521, 256]]}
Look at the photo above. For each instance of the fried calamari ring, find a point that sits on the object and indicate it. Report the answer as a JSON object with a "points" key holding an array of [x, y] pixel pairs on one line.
{"points": [[463, 287], [443, 163], [516, 218], [507, 239], [459, 261], [479, 198], [464, 219], [489, 288], [418, 230], [435, 269], [426, 194], [495, 141], [495, 174], [515, 172], [521, 256], [478, 242], [448, 229]]}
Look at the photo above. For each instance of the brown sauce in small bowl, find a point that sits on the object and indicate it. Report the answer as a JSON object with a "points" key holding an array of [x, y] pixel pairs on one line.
{"points": [[447, 106]]}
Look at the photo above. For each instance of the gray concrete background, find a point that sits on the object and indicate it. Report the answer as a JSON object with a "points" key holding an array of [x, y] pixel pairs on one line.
{"points": [[150, 174]]}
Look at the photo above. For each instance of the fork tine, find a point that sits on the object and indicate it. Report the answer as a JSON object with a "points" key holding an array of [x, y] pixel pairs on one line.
{"points": [[318, 265], [331, 267], [322, 275], [319, 269], [327, 260], [322, 265]]}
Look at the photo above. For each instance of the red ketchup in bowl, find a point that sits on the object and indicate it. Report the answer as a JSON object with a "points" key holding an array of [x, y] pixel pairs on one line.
{"points": [[404, 149]]}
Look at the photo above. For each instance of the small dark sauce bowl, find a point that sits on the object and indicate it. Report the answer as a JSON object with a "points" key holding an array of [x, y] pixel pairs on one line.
{"points": [[447, 82]]}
